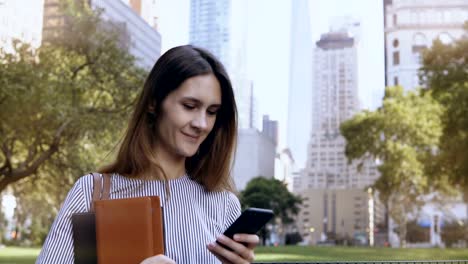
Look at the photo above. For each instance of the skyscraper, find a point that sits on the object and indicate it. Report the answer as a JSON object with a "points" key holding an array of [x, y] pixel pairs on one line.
{"points": [[411, 27], [210, 27], [335, 99], [300, 83]]}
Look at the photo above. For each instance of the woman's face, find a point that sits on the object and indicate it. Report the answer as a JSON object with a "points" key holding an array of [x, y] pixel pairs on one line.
{"points": [[188, 115]]}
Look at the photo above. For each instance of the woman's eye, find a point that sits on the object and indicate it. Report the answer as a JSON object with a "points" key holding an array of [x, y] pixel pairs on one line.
{"points": [[213, 112], [189, 107]]}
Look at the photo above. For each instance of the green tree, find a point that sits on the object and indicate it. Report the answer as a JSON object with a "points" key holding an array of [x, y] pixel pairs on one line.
{"points": [[454, 231], [271, 194], [444, 74], [402, 135], [63, 108]]}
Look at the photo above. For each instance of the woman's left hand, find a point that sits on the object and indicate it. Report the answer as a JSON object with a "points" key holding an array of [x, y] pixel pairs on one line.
{"points": [[239, 253]]}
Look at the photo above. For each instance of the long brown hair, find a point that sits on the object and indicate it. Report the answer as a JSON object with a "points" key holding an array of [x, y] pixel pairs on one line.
{"points": [[211, 165]]}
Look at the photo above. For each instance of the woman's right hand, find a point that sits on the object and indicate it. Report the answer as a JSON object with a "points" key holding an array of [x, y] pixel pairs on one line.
{"points": [[159, 259]]}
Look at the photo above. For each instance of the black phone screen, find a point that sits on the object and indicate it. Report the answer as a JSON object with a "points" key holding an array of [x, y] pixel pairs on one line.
{"points": [[249, 222]]}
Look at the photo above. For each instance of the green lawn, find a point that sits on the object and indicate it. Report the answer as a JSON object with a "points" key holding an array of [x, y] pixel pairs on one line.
{"points": [[297, 253], [13, 255]]}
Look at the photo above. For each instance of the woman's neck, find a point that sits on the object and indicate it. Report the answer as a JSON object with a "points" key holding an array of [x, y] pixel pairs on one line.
{"points": [[173, 166]]}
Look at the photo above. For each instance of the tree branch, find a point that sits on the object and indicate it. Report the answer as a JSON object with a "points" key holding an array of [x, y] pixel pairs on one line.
{"points": [[18, 174], [7, 152]]}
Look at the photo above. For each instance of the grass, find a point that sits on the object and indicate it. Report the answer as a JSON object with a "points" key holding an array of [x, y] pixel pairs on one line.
{"points": [[16, 255], [298, 253]]}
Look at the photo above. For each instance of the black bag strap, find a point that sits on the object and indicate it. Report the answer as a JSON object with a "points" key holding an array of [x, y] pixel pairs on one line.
{"points": [[100, 192]]}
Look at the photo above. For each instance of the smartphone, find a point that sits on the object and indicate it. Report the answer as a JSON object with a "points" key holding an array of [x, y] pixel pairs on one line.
{"points": [[249, 222]]}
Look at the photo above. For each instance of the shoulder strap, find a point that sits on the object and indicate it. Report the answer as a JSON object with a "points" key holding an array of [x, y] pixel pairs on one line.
{"points": [[100, 193]]}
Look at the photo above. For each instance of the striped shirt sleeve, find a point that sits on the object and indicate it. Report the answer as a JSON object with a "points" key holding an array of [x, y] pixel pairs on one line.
{"points": [[58, 247], [233, 209]]}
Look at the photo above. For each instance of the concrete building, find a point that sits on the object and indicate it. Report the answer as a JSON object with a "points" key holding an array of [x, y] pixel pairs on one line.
{"points": [[331, 214], [410, 27], [142, 40], [336, 205], [220, 26], [210, 27], [146, 9], [270, 128], [255, 156], [335, 100], [22, 20]]}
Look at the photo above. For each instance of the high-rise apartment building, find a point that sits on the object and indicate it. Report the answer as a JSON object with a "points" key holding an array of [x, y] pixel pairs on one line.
{"points": [[270, 128], [335, 99], [410, 27], [220, 26], [255, 156], [146, 9], [142, 40], [210, 27]]}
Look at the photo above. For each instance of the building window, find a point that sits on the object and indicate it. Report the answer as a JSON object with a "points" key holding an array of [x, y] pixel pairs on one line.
{"points": [[395, 43], [395, 20], [395, 81], [396, 58], [445, 38]]}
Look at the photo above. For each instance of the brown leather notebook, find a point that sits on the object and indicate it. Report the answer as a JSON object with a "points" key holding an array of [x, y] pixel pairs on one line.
{"points": [[128, 230]]}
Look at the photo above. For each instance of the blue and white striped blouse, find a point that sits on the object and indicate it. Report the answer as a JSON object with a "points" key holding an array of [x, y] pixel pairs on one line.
{"points": [[193, 217]]}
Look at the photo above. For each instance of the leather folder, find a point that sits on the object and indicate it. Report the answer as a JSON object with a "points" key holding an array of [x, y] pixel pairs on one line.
{"points": [[128, 230]]}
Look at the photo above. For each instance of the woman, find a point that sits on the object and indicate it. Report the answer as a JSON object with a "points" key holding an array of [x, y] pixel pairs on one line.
{"points": [[179, 145]]}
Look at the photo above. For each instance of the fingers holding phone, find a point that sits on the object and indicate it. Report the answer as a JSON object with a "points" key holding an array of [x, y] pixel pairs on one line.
{"points": [[239, 250], [238, 241], [249, 240]]}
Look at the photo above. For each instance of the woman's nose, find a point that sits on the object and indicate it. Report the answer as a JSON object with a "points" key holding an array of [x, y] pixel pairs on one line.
{"points": [[200, 121]]}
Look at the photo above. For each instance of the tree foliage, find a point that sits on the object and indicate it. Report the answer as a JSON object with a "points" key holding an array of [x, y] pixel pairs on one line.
{"points": [[402, 135], [444, 74], [271, 194], [63, 108]]}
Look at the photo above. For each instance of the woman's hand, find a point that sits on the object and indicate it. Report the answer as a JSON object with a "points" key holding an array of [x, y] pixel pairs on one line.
{"points": [[159, 259], [240, 253]]}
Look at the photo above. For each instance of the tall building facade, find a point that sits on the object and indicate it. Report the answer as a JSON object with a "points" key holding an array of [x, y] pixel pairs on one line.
{"points": [[210, 27], [335, 100], [270, 128], [300, 83], [340, 214], [410, 27], [143, 41], [255, 156], [220, 26], [18, 22], [336, 205], [146, 9]]}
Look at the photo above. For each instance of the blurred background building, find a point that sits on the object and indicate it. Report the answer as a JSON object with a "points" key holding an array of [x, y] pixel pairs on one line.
{"points": [[336, 205], [141, 38], [411, 27]]}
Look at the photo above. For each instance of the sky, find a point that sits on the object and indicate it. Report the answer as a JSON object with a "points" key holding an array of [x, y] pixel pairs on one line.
{"points": [[268, 47]]}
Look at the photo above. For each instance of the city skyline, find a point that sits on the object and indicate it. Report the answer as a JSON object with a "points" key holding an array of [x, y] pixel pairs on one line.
{"points": [[268, 40], [268, 47]]}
